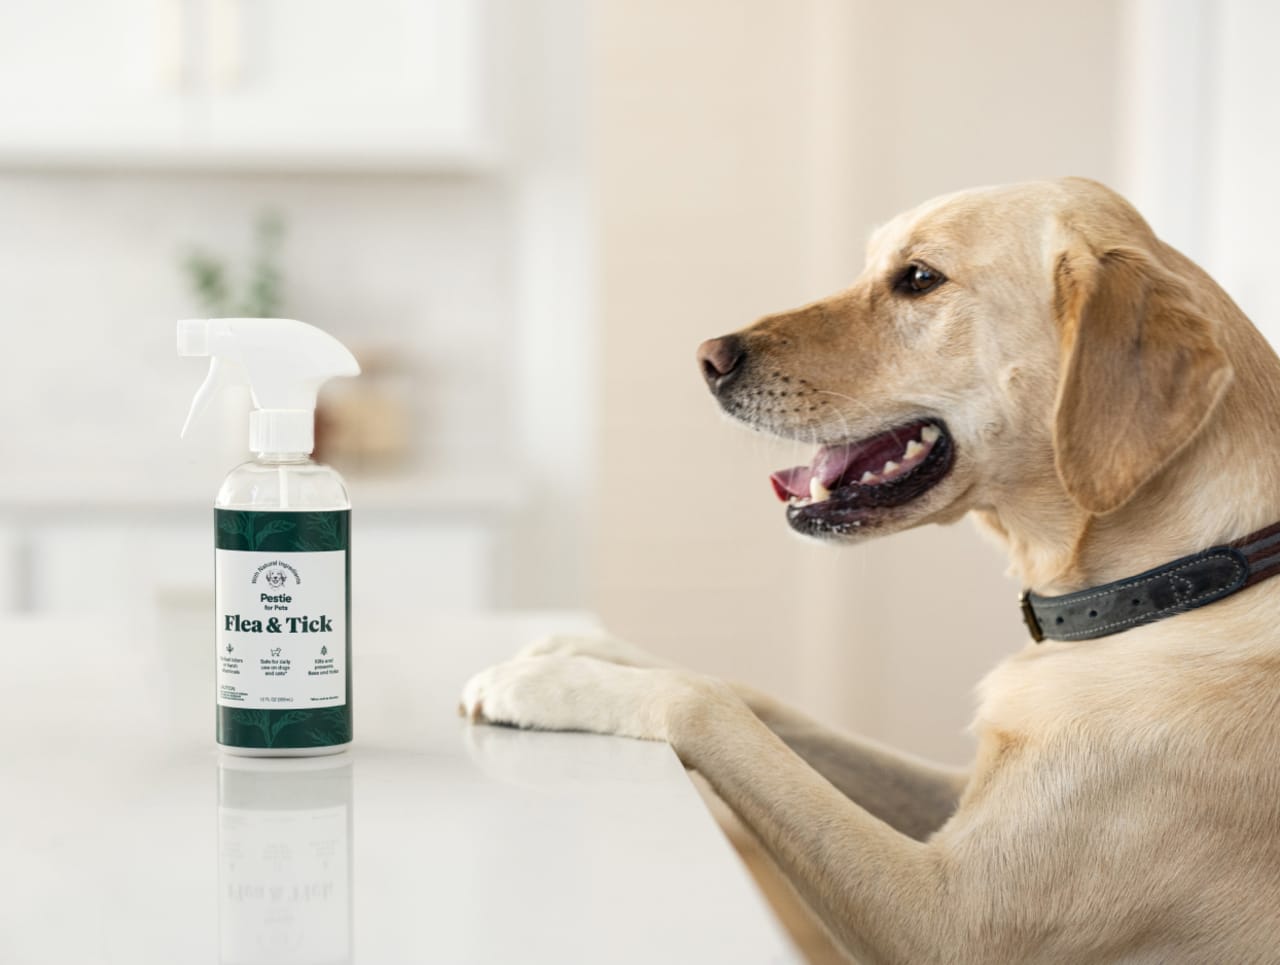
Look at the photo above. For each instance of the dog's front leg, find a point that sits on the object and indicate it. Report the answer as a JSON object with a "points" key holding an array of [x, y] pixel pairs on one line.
{"points": [[882, 893], [911, 795]]}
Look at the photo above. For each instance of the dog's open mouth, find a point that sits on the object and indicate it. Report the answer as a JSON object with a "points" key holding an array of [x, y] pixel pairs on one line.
{"points": [[848, 484]]}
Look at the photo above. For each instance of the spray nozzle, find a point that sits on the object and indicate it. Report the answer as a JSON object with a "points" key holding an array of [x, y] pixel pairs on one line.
{"points": [[284, 362]]}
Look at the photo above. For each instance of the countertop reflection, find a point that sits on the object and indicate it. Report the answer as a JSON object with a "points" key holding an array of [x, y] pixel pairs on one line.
{"points": [[284, 860], [127, 838]]}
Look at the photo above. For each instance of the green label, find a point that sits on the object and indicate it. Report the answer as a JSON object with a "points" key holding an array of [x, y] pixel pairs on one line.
{"points": [[283, 628]]}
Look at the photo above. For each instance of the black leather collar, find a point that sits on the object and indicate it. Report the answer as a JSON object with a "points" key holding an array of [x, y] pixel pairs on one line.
{"points": [[1184, 584]]}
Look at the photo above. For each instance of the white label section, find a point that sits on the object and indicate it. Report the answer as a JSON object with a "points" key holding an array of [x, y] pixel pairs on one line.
{"points": [[282, 629]]}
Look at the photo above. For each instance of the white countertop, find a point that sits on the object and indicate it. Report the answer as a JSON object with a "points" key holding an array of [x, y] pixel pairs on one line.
{"points": [[126, 838]]}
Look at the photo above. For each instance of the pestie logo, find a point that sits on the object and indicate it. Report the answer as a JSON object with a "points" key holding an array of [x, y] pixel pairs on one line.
{"points": [[276, 574], [275, 581]]}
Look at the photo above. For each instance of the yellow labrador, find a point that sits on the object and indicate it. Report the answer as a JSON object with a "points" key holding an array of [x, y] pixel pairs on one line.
{"points": [[1034, 356]]}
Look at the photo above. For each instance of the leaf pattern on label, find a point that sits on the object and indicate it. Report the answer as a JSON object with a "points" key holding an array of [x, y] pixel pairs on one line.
{"points": [[268, 724], [284, 532], [271, 529], [333, 727], [233, 524], [319, 534], [254, 720]]}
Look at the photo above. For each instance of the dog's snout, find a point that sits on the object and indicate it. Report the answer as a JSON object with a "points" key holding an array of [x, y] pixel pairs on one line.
{"points": [[721, 359]]}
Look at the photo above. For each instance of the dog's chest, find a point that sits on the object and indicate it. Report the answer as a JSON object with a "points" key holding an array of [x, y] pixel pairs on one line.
{"points": [[1048, 689], [1193, 687]]}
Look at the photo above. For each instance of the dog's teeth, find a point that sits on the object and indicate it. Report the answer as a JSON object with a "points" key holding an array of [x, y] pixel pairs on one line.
{"points": [[913, 449], [818, 492], [868, 477], [930, 434], [889, 467]]}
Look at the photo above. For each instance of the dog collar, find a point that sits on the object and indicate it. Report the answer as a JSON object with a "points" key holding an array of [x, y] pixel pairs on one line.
{"points": [[1184, 584]]}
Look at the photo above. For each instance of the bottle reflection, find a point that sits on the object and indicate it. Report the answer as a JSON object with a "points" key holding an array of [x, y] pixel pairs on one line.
{"points": [[284, 861]]}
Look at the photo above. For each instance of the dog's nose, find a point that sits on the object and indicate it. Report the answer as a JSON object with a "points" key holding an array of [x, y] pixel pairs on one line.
{"points": [[720, 359]]}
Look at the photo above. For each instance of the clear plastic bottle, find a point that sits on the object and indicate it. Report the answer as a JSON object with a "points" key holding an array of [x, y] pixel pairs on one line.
{"points": [[287, 481], [249, 518], [282, 539]]}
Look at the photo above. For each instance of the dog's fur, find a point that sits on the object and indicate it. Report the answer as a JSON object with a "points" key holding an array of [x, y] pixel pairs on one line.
{"points": [[1112, 409]]}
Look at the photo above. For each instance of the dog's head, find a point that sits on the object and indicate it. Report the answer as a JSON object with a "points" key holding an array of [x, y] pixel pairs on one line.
{"points": [[1023, 338]]}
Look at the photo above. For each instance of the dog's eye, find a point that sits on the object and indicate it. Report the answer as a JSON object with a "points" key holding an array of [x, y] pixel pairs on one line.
{"points": [[918, 279]]}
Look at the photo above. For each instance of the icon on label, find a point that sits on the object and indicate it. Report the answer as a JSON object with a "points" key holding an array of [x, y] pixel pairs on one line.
{"points": [[275, 651], [230, 649], [324, 651]]}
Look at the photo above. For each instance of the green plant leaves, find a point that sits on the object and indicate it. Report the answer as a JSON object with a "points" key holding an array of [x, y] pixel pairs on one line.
{"points": [[210, 275]]}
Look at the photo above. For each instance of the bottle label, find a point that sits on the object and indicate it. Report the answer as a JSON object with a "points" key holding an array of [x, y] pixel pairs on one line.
{"points": [[282, 632]]}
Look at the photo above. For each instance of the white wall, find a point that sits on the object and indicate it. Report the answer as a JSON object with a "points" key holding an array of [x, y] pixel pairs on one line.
{"points": [[1202, 140], [89, 379], [746, 150], [1241, 199]]}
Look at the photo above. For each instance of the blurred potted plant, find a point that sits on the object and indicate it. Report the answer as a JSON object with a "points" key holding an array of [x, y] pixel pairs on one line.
{"points": [[361, 425], [263, 297]]}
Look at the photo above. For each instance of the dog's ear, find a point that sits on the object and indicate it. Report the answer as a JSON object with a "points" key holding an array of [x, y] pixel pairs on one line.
{"points": [[1141, 373]]}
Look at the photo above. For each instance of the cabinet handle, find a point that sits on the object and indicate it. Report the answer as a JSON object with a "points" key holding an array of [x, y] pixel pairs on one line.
{"points": [[172, 41], [223, 43]]}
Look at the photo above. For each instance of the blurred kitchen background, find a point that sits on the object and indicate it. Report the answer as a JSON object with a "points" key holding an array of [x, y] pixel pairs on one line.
{"points": [[523, 216]]}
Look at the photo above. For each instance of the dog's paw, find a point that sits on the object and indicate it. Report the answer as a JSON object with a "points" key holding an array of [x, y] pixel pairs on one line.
{"points": [[560, 692], [599, 647]]}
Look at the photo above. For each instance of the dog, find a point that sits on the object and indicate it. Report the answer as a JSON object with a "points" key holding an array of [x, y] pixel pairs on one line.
{"points": [[1035, 357]]}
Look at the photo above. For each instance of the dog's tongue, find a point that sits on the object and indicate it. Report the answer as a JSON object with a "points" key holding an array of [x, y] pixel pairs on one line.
{"points": [[827, 467]]}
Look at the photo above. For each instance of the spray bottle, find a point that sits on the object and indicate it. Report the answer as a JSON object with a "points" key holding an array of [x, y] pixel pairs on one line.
{"points": [[282, 538]]}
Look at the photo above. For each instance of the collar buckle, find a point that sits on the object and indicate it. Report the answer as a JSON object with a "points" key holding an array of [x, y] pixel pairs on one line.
{"points": [[1029, 616]]}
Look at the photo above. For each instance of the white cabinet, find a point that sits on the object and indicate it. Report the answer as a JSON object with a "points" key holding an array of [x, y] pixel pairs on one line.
{"points": [[298, 84], [77, 75]]}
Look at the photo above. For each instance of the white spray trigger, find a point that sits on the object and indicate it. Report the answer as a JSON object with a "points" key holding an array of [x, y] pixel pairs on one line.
{"points": [[283, 361], [204, 395]]}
